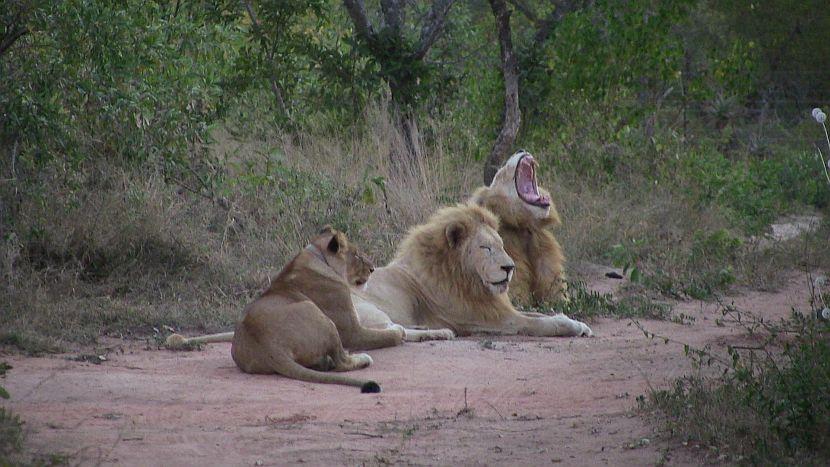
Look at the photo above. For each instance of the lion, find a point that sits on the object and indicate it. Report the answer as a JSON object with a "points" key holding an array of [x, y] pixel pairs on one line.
{"points": [[453, 272], [301, 324], [358, 269], [526, 214]]}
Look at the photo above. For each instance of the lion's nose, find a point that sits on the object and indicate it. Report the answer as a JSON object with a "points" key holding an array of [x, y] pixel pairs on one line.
{"points": [[509, 268], [371, 269]]}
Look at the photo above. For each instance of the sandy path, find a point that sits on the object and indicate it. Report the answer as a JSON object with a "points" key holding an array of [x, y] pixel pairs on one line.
{"points": [[532, 401]]}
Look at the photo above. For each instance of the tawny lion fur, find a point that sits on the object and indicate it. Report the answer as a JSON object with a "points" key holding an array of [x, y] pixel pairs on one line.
{"points": [[540, 263], [528, 239], [302, 323], [452, 272]]}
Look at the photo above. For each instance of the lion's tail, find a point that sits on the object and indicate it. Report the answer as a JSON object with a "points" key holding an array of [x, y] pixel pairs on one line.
{"points": [[286, 366], [178, 341]]}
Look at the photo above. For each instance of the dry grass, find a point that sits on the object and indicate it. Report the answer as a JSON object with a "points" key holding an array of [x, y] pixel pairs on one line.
{"points": [[124, 250]]}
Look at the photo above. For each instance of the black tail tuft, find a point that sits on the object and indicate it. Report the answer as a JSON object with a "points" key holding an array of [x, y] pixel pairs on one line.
{"points": [[370, 387]]}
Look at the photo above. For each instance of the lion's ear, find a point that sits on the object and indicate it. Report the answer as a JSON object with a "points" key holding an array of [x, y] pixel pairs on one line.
{"points": [[334, 244], [455, 232], [338, 242], [326, 229]]}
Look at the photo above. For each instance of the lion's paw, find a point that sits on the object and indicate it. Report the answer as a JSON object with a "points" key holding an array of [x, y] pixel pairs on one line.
{"points": [[399, 328], [444, 334], [175, 341], [361, 360], [583, 330]]}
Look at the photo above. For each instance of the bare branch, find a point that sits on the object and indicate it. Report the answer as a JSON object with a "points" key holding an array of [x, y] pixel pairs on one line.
{"points": [[357, 11], [11, 38], [433, 26], [525, 9]]}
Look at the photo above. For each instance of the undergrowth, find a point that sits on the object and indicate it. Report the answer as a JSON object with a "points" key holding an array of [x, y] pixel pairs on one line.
{"points": [[767, 405], [586, 304], [11, 436]]}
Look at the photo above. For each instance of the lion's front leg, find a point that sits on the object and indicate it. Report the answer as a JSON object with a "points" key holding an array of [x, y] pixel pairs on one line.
{"points": [[419, 335], [543, 325]]}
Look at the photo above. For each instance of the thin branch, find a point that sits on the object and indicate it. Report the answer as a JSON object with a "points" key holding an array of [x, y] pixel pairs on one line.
{"points": [[433, 27], [276, 89], [357, 11], [10, 39]]}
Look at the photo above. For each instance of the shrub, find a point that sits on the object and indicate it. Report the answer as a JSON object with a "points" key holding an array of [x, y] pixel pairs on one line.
{"points": [[770, 406]]}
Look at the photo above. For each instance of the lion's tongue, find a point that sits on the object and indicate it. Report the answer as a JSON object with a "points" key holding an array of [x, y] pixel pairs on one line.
{"points": [[526, 186]]}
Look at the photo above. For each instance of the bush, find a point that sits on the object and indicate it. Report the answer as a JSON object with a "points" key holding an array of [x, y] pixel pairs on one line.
{"points": [[771, 404]]}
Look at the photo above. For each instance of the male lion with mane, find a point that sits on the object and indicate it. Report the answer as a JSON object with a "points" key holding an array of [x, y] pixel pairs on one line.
{"points": [[453, 272], [526, 214]]}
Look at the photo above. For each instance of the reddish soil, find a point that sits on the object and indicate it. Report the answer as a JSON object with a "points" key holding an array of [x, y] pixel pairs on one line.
{"points": [[529, 401]]}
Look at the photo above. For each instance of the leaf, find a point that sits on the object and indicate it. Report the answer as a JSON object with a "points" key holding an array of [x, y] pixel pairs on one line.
{"points": [[368, 195], [635, 275], [3, 393]]}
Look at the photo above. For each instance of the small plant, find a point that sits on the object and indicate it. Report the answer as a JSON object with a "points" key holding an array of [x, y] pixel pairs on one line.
{"points": [[820, 117], [623, 257], [11, 436], [586, 304], [4, 367]]}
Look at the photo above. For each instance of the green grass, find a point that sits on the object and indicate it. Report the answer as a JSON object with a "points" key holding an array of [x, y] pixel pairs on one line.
{"points": [[586, 304], [11, 437]]}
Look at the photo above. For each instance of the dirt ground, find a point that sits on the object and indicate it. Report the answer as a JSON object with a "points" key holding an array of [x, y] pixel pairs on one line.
{"points": [[479, 400]]}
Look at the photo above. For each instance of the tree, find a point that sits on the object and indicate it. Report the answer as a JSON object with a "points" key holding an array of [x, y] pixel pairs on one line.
{"points": [[512, 116], [401, 60]]}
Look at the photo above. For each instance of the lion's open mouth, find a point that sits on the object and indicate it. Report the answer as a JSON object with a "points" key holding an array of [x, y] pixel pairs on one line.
{"points": [[526, 183]]}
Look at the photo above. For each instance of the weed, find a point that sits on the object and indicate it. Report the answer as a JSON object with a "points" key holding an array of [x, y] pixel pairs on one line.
{"points": [[587, 304], [11, 436]]}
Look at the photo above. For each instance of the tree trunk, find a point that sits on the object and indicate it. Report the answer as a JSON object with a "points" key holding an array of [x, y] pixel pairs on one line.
{"points": [[510, 71], [398, 55]]}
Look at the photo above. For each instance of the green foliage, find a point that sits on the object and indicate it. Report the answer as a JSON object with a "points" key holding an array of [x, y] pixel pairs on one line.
{"points": [[707, 267], [754, 190], [770, 406], [623, 256], [126, 81], [791, 38], [586, 304], [11, 436]]}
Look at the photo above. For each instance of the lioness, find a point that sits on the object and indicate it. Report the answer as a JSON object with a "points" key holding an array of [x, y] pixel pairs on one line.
{"points": [[303, 321], [526, 214], [453, 272], [358, 269]]}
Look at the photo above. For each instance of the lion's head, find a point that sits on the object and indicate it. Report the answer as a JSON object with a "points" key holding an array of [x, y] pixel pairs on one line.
{"points": [[522, 199], [358, 267], [342, 256], [460, 247]]}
